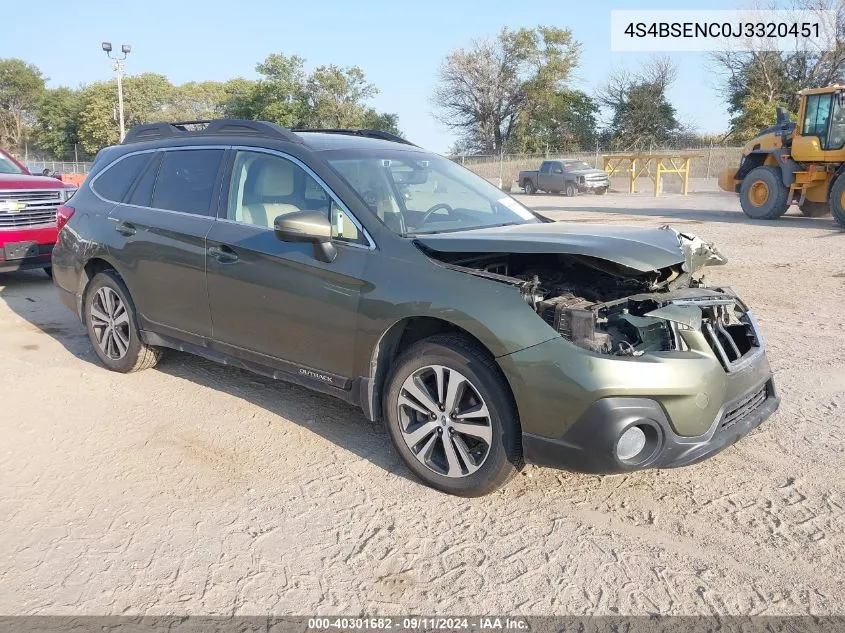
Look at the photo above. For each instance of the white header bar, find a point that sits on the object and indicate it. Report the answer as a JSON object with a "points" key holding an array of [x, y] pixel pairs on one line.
{"points": [[712, 30]]}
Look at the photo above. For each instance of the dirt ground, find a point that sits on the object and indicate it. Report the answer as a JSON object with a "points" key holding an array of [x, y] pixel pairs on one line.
{"points": [[197, 488]]}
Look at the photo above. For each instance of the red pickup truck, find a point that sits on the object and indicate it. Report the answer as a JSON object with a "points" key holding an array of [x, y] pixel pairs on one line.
{"points": [[28, 207]]}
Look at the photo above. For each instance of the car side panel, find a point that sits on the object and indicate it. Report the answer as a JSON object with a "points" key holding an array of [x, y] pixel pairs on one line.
{"points": [[278, 300], [163, 265]]}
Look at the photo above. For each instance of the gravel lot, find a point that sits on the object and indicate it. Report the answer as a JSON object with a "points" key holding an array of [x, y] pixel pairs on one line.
{"points": [[197, 488]]}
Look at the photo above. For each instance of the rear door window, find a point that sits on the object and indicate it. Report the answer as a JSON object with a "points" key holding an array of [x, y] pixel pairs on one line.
{"points": [[115, 181], [186, 180]]}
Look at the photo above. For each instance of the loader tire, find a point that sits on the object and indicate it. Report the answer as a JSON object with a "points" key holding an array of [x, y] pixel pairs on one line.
{"points": [[763, 196], [837, 201]]}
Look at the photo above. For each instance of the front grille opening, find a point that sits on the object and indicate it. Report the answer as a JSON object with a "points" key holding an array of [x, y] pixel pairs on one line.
{"points": [[744, 407]]}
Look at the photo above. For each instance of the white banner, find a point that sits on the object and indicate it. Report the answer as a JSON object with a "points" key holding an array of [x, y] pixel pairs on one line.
{"points": [[718, 30]]}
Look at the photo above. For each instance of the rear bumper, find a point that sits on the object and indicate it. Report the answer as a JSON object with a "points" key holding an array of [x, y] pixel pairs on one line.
{"points": [[589, 446]]}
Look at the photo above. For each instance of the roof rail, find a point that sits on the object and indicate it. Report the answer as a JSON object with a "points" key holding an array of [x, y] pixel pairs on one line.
{"points": [[369, 133], [216, 127]]}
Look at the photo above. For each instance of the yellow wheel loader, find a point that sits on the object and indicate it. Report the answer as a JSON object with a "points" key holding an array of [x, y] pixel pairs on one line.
{"points": [[799, 163]]}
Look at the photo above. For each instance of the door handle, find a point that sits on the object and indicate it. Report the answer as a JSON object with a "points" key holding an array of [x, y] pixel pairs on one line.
{"points": [[124, 228], [223, 254]]}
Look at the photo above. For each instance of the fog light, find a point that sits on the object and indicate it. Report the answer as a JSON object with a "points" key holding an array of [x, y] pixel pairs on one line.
{"points": [[630, 443]]}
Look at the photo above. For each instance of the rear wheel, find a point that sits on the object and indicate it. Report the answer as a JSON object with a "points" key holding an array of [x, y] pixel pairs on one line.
{"points": [[112, 327], [451, 417], [570, 190], [814, 209], [529, 187], [837, 201], [763, 196]]}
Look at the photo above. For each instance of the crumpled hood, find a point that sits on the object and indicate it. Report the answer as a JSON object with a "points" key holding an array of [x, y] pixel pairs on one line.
{"points": [[641, 249]]}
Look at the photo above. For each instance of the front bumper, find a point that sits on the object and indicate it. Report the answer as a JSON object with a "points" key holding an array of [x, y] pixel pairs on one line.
{"points": [[592, 185], [43, 237], [589, 446], [574, 404], [41, 260]]}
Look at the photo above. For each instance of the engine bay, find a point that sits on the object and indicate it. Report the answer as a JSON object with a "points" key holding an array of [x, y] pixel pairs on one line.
{"points": [[610, 309]]}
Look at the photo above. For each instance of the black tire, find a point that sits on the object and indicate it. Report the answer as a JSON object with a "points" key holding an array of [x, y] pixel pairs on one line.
{"points": [[137, 355], [570, 190], [48, 270], [601, 191], [460, 354], [811, 209], [837, 197], [777, 201], [529, 187]]}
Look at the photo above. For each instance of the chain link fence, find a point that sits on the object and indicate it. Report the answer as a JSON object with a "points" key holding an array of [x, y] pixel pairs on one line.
{"points": [[704, 168], [57, 166]]}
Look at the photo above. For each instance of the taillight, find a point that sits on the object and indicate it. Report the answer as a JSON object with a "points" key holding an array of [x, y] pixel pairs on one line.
{"points": [[63, 214]]}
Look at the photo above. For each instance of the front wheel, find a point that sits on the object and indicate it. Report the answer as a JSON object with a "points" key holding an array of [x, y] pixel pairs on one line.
{"points": [[837, 201], [451, 416], [529, 187], [763, 196], [112, 327], [601, 191]]}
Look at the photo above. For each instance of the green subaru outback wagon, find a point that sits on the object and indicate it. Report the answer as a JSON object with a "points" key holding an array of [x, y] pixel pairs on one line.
{"points": [[352, 262]]}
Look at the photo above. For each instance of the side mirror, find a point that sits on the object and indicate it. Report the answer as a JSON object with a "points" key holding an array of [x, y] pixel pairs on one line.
{"points": [[307, 226]]}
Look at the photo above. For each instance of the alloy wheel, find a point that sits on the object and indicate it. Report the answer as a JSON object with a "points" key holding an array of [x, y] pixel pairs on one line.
{"points": [[110, 323], [444, 421]]}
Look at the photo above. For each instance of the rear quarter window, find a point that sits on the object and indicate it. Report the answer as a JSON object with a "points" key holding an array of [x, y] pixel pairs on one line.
{"points": [[116, 179]]}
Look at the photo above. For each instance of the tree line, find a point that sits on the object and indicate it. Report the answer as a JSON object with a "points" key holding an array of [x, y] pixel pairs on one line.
{"points": [[66, 123]]}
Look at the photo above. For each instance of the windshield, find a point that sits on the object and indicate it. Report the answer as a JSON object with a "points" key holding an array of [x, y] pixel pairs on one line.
{"points": [[8, 166], [577, 165], [415, 193]]}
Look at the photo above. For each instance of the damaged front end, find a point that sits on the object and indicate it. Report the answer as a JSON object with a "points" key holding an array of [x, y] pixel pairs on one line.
{"points": [[609, 308]]}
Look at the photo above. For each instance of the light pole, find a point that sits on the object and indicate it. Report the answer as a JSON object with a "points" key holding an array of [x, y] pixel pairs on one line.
{"points": [[118, 68]]}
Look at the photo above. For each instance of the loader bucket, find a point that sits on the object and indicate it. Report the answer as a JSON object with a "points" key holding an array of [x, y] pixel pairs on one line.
{"points": [[728, 181]]}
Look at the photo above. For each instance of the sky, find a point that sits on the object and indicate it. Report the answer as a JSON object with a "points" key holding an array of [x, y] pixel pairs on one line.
{"points": [[399, 45]]}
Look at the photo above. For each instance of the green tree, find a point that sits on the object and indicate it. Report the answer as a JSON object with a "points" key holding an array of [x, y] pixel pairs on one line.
{"points": [[146, 98], [330, 96], [336, 97], [485, 91], [56, 116], [21, 85], [642, 117], [384, 121], [278, 96], [564, 121], [198, 101]]}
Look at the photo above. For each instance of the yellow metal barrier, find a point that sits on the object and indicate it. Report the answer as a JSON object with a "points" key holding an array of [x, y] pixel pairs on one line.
{"points": [[652, 165]]}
